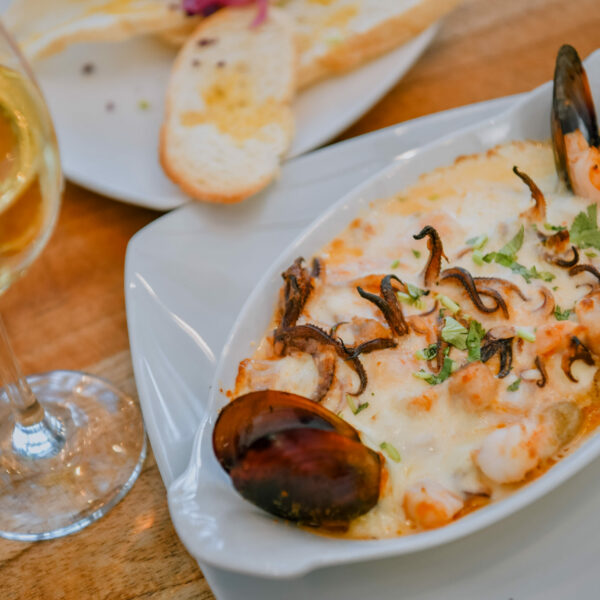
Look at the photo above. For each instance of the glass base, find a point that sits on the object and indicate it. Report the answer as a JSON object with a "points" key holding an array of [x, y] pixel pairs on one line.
{"points": [[61, 474]]}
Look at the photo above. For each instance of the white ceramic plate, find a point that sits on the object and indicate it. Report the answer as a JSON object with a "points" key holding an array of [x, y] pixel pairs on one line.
{"points": [[114, 152], [177, 327], [213, 521]]}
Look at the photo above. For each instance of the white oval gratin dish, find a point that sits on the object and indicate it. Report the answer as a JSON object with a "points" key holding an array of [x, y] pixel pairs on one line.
{"points": [[222, 529]]}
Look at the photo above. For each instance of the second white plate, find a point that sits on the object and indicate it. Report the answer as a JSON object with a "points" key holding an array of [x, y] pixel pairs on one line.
{"points": [[107, 104]]}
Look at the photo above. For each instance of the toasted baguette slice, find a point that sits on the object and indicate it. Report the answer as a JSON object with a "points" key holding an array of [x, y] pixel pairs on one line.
{"points": [[338, 35], [44, 27], [228, 114]]}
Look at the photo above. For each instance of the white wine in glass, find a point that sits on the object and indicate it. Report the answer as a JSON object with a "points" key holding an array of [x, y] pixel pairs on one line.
{"points": [[71, 445]]}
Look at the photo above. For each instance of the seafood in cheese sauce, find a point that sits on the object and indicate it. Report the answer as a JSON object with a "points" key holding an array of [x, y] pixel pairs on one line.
{"points": [[453, 328]]}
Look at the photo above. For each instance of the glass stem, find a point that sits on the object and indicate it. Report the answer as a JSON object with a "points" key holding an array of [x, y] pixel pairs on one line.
{"points": [[26, 409]]}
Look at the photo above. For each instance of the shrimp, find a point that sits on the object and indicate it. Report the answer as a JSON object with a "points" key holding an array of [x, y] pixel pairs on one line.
{"points": [[583, 165], [429, 504], [555, 337], [507, 455], [588, 313], [474, 386]]}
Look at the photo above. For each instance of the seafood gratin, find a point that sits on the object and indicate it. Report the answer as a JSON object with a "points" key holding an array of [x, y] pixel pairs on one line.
{"points": [[441, 351]]}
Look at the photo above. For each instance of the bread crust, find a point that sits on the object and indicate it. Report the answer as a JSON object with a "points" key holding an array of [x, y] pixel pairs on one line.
{"points": [[362, 47], [213, 192]]}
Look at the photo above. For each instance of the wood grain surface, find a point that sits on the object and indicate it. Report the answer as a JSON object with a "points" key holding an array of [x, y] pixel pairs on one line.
{"points": [[69, 311]]}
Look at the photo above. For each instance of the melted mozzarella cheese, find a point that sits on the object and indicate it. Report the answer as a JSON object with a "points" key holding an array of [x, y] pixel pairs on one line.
{"points": [[451, 440]]}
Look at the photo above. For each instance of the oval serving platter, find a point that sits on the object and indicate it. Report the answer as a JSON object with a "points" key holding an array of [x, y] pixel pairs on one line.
{"points": [[219, 527]]}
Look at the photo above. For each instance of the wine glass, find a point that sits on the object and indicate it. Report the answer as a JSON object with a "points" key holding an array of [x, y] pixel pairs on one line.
{"points": [[71, 445]]}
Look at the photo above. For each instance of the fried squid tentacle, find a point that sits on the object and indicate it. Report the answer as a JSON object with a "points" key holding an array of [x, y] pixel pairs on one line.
{"points": [[564, 263], [504, 282], [297, 289], [388, 304], [536, 213], [436, 253], [577, 351], [475, 293], [504, 348], [542, 369], [581, 268], [323, 348], [371, 346]]}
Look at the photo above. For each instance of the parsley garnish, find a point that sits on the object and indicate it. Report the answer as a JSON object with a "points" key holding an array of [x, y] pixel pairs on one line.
{"points": [[395, 264], [391, 451], [533, 273], [511, 248], [514, 386], [415, 292], [554, 227], [477, 242], [507, 257], [447, 303], [416, 253], [353, 407], [584, 232], [562, 315], [454, 333], [433, 378], [508, 253], [414, 295], [474, 337], [525, 334], [427, 353]]}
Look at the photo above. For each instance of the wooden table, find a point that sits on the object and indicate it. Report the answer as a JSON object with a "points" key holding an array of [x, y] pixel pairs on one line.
{"points": [[69, 311]]}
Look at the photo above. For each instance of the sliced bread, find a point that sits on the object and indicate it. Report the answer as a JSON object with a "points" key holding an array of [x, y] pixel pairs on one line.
{"points": [[338, 35], [228, 117]]}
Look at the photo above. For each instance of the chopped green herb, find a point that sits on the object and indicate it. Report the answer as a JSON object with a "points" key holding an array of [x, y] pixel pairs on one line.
{"points": [[427, 353], [508, 253], [391, 451], [353, 406], [432, 378], [448, 303], [591, 254], [518, 268], [511, 248], [554, 288], [455, 334], [395, 264], [477, 257], [526, 334], [584, 231], [533, 273], [562, 315], [414, 295], [478, 242], [514, 386], [409, 300], [474, 337], [554, 227], [143, 105], [416, 253], [415, 292]]}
